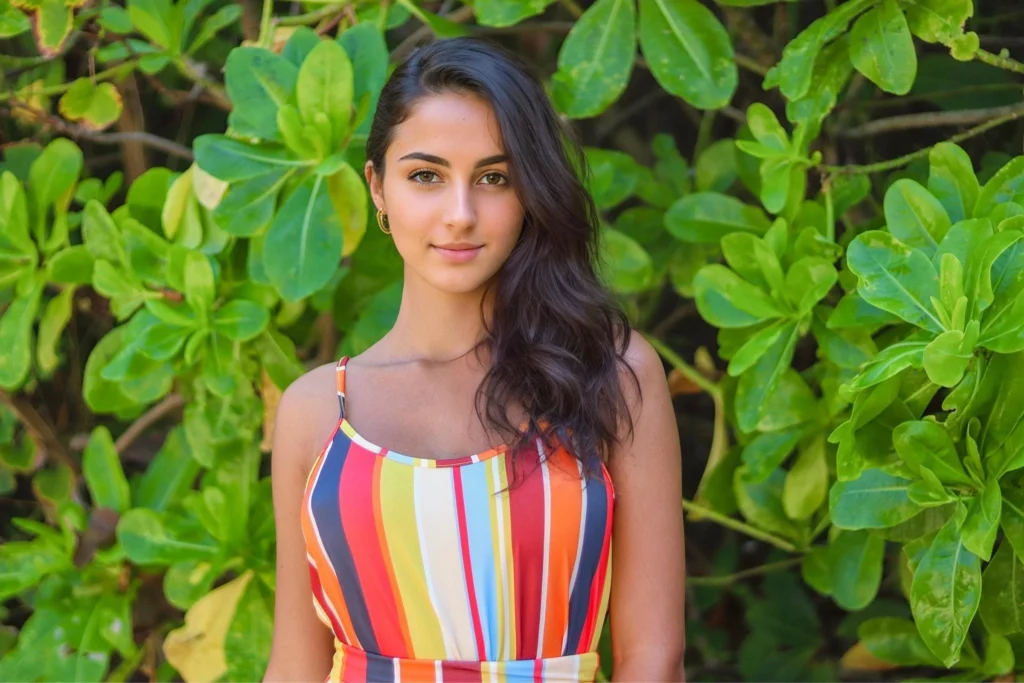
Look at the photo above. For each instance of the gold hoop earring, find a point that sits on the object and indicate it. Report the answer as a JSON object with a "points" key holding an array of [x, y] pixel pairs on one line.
{"points": [[382, 221]]}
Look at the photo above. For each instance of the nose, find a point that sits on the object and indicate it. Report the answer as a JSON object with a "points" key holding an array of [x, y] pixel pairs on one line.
{"points": [[459, 212]]}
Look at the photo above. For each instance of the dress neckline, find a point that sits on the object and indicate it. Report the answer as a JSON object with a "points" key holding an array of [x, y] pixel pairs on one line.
{"points": [[349, 429]]}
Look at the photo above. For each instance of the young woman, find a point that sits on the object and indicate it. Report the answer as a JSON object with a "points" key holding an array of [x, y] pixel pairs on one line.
{"points": [[502, 468]]}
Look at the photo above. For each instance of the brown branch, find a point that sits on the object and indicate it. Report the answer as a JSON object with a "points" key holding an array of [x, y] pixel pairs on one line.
{"points": [[962, 117], [147, 139], [170, 403], [38, 428]]}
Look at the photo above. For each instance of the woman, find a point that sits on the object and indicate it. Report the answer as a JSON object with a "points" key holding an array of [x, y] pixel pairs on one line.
{"points": [[413, 560]]}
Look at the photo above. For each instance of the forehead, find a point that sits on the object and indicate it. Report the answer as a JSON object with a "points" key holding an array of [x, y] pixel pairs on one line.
{"points": [[450, 125]]}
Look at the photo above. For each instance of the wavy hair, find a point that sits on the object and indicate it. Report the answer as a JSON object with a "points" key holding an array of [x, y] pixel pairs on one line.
{"points": [[556, 334]]}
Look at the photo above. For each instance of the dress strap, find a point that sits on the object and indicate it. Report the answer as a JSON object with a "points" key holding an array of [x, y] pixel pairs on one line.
{"points": [[340, 372]]}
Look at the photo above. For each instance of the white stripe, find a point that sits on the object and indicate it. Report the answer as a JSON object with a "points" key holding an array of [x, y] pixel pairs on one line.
{"points": [[397, 673], [579, 548], [426, 566], [547, 542], [438, 677], [319, 541], [499, 507]]}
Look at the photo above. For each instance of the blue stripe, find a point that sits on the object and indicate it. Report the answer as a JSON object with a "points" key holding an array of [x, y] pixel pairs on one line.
{"points": [[479, 511], [327, 518], [596, 494]]}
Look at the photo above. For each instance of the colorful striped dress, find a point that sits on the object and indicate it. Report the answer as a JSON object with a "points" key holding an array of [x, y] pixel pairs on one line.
{"points": [[436, 570]]}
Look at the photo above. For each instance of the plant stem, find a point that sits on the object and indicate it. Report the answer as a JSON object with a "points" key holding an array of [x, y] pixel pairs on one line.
{"points": [[750, 64], [684, 369], [934, 119], [266, 28], [745, 574], [61, 88], [854, 169], [707, 123], [573, 8], [999, 61], [311, 17], [739, 526]]}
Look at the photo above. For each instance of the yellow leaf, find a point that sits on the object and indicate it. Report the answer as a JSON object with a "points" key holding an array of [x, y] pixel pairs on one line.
{"points": [[859, 658], [196, 649], [209, 190], [271, 395], [177, 203]]}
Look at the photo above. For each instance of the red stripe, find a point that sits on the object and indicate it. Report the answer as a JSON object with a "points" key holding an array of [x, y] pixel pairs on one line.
{"points": [[318, 594], [355, 665], [538, 671], [360, 478], [526, 511], [461, 672], [460, 508]]}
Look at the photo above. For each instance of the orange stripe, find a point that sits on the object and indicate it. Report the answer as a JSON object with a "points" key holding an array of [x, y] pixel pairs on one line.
{"points": [[566, 508]]}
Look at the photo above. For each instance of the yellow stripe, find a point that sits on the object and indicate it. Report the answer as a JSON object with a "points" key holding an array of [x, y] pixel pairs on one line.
{"points": [[396, 484]]}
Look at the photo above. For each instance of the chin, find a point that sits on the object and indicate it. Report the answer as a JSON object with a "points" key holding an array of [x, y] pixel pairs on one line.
{"points": [[458, 283]]}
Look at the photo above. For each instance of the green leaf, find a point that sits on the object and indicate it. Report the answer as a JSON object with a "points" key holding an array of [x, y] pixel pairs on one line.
{"points": [[938, 21], [101, 235], [258, 82], [16, 338], [1012, 521], [1007, 185], [324, 86], [756, 386], [277, 355], [852, 311], [233, 161], [688, 51], [756, 346], [52, 178], [241, 320], [596, 59], [707, 217], [882, 48], [1002, 593], [169, 475], [761, 503], [768, 450], [200, 286], [876, 500], [507, 12], [895, 278], [157, 20], [856, 568], [104, 476], [53, 21], [219, 20], [807, 482], [613, 176], [914, 216], [13, 23], [146, 539], [796, 68], [896, 641], [55, 318], [248, 206], [754, 260], [808, 281], [94, 105], [303, 245], [71, 266], [725, 300], [982, 522], [349, 197], [926, 443], [889, 362], [947, 356], [368, 54], [951, 177], [715, 169], [945, 592], [627, 267], [14, 220]]}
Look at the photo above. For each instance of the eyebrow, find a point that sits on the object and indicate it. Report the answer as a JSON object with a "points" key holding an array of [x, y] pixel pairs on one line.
{"points": [[431, 159]]}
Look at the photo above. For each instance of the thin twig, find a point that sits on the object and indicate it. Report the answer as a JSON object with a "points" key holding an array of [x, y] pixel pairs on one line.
{"points": [[999, 61], [61, 88], [684, 369], [962, 117], [37, 426], [750, 64], [855, 169], [170, 403], [728, 579], [574, 9], [423, 32], [739, 526], [147, 139], [312, 17]]}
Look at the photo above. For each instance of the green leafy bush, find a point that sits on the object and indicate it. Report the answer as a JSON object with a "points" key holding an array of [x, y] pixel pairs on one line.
{"points": [[868, 410]]}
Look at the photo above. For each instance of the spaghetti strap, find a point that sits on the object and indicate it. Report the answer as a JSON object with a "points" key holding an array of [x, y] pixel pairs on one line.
{"points": [[340, 377]]}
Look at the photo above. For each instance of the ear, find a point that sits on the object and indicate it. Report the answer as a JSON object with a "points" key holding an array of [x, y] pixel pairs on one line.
{"points": [[374, 180]]}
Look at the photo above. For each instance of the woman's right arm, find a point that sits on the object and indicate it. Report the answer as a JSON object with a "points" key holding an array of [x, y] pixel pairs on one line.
{"points": [[302, 648]]}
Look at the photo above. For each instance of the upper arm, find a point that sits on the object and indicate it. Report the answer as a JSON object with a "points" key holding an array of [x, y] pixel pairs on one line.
{"points": [[302, 647], [648, 571]]}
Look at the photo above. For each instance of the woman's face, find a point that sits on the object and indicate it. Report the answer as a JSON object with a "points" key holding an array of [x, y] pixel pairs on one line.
{"points": [[453, 213]]}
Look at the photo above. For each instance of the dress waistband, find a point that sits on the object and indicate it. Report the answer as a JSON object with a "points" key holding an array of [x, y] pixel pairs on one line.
{"points": [[353, 664]]}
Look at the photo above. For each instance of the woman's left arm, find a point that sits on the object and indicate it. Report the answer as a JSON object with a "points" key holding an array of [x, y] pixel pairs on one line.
{"points": [[648, 559]]}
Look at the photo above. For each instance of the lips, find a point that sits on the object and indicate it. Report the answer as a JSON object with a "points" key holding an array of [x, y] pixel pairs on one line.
{"points": [[458, 253]]}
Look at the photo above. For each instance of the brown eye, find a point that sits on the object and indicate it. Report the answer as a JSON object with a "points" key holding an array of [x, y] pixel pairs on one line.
{"points": [[423, 176], [494, 179]]}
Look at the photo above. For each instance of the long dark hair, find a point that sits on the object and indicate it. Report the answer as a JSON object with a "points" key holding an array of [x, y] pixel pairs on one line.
{"points": [[556, 335]]}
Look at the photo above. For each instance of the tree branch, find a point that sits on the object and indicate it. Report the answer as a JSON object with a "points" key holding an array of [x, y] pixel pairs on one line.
{"points": [[170, 403], [962, 117], [742, 527], [907, 158], [39, 429], [999, 61], [684, 369]]}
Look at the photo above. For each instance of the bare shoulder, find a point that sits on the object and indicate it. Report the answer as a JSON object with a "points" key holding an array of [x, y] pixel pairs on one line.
{"points": [[644, 361], [306, 416]]}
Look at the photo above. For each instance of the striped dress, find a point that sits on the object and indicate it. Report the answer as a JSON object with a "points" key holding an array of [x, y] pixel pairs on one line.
{"points": [[434, 570]]}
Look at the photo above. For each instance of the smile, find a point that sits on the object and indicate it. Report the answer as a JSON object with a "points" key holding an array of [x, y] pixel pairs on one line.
{"points": [[458, 255]]}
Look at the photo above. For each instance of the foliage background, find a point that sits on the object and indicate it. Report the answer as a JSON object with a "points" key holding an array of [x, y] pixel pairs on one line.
{"points": [[814, 209]]}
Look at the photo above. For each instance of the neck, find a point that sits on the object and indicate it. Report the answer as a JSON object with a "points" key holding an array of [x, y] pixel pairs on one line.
{"points": [[438, 326]]}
